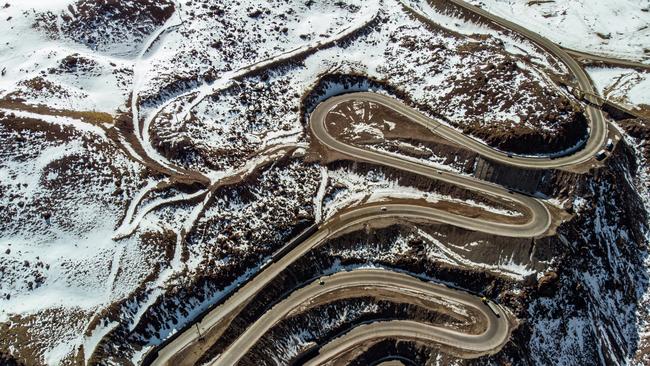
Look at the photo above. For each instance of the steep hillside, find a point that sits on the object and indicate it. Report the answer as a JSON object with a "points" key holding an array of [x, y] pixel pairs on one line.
{"points": [[157, 155]]}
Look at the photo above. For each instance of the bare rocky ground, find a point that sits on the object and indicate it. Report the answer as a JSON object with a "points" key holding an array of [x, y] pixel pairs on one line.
{"points": [[104, 256], [481, 103], [379, 128], [571, 280]]}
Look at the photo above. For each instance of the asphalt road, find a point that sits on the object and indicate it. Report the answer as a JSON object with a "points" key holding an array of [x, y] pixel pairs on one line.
{"points": [[537, 225], [342, 223], [608, 60], [368, 282], [595, 142], [597, 124]]}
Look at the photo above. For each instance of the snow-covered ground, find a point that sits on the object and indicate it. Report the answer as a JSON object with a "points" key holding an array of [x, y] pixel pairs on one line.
{"points": [[610, 28], [50, 69], [353, 189], [93, 243], [61, 201], [623, 85], [118, 234]]}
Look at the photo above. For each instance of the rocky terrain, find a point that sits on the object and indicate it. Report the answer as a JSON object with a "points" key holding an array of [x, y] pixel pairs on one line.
{"points": [[156, 155]]}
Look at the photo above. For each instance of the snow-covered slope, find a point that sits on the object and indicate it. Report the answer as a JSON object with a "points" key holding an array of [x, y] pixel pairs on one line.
{"points": [[624, 85], [63, 190], [615, 28], [154, 154], [73, 55]]}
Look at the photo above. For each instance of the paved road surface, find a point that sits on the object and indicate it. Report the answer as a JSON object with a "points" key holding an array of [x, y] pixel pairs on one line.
{"points": [[590, 149], [538, 224], [597, 123], [368, 282], [609, 60]]}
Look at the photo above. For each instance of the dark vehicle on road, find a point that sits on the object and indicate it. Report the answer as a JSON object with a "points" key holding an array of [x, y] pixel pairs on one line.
{"points": [[491, 305]]}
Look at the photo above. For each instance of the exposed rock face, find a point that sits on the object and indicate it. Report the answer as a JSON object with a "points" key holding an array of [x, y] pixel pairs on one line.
{"points": [[520, 140], [547, 285], [639, 130], [584, 310], [142, 254], [8, 360], [587, 312]]}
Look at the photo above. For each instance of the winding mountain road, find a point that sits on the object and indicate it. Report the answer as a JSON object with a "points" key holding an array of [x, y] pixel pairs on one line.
{"points": [[538, 224], [372, 282], [180, 348], [597, 124], [187, 347], [598, 134]]}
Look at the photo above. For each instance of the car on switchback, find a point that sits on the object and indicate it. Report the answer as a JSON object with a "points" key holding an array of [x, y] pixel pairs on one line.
{"points": [[490, 304]]}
